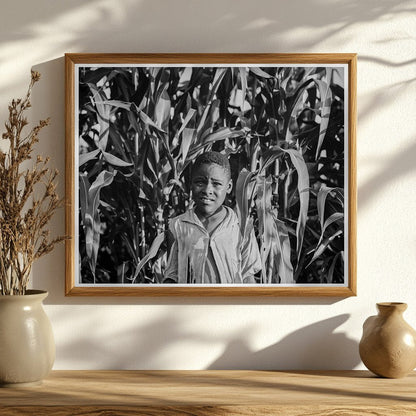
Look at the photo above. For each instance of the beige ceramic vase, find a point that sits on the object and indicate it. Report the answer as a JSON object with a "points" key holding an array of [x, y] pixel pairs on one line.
{"points": [[27, 347], [388, 344]]}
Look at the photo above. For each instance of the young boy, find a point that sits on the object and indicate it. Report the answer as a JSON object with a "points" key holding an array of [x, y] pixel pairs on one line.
{"points": [[207, 243]]}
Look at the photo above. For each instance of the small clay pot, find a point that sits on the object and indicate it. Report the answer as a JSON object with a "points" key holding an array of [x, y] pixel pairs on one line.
{"points": [[388, 344]]}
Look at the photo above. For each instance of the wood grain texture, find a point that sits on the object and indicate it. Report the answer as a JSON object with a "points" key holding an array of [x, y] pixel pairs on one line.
{"points": [[211, 58], [69, 174], [210, 411], [71, 59], [203, 393], [246, 291], [352, 175]]}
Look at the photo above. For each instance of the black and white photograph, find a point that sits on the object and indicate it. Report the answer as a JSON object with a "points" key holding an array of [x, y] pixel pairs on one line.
{"points": [[211, 174]]}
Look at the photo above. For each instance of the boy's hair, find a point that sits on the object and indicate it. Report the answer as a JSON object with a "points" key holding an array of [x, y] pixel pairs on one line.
{"points": [[212, 157]]}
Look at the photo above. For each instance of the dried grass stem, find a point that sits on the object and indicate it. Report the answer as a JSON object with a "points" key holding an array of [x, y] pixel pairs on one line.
{"points": [[23, 217]]}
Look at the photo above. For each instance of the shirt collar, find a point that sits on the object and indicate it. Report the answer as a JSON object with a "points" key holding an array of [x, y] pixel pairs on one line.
{"points": [[191, 217]]}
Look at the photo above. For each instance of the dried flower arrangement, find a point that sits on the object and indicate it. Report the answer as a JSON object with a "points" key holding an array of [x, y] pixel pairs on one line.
{"points": [[28, 199]]}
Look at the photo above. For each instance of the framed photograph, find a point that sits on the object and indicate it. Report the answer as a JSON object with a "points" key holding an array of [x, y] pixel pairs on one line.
{"points": [[211, 174]]}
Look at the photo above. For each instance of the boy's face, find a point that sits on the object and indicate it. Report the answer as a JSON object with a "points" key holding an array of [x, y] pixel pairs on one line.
{"points": [[210, 185]]}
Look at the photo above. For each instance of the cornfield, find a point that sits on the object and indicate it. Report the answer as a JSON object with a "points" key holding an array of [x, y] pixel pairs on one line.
{"points": [[141, 127]]}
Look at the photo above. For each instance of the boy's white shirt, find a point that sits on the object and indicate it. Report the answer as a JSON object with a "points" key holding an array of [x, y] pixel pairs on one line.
{"points": [[237, 259]]}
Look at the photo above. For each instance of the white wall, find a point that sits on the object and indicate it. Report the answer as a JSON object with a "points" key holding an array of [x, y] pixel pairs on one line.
{"points": [[202, 333]]}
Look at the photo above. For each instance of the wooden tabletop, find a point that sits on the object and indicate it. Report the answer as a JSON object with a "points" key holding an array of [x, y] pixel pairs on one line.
{"points": [[204, 393]]}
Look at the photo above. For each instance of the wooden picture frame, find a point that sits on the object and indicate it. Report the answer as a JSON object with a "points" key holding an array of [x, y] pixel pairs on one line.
{"points": [[287, 124]]}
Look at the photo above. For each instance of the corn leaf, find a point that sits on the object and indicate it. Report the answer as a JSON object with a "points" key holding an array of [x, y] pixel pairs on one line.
{"points": [[162, 110], [270, 156], [244, 194], [84, 186], [298, 105], [218, 77], [103, 113], [95, 75], [86, 157], [118, 104], [114, 160], [282, 244], [303, 189], [331, 269], [324, 245], [121, 144], [275, 244], [185, 78], [149, 122], [326, 102], [220, 134], [321, 201], [190, 114], [103, 179], [266, 223], [92, 217], [243, 78], [336, 217], [259, 72], [154, 248], [188, 134]]}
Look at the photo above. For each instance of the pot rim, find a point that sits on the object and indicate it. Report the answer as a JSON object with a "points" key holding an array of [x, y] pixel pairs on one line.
{"points": [[390, 306], [391, 303], [30, 293]]}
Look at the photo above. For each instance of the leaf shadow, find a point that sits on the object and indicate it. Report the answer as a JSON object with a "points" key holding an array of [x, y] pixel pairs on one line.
{"points": [[316, 346], [403, 163]]}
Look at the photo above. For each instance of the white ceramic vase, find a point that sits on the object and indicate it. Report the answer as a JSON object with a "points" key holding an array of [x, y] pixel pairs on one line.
{"points": [[27, 346]]}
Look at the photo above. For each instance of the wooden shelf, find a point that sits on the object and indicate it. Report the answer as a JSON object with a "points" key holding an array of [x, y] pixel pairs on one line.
{"points": [[208, 393]]}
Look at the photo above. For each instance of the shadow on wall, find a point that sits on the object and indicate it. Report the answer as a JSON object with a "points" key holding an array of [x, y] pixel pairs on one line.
{"points": [[139, 26], [398, 166], [151, 345], [313, 347], [154, 345], [48, 100]]}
